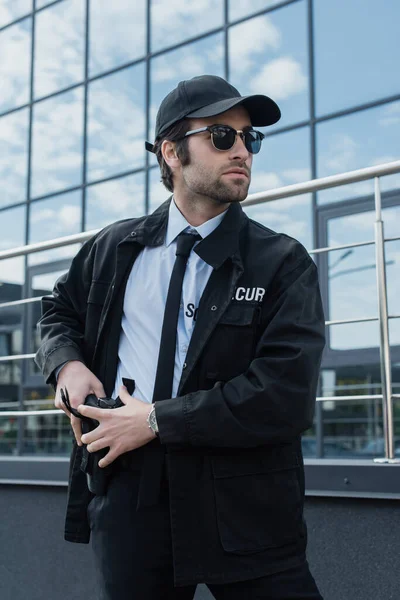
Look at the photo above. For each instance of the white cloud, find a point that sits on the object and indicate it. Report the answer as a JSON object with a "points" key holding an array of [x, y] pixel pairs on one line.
{"points": [[59, 47], [13, 9], [280, 78], [13, 157], [381, 160], [115, 40], [57, 153], [249, 41], [15, 65], [296, 175], [12, 271], [342, 153], [174, 20], [120, 198], [391, 115], [261, 182], [69, 216]]}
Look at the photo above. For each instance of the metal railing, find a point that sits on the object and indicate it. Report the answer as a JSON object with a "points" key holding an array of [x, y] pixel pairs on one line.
{"points": [[383, 317]]}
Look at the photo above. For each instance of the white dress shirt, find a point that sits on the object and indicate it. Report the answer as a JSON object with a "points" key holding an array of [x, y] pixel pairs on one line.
{"points": [[144, 304]]}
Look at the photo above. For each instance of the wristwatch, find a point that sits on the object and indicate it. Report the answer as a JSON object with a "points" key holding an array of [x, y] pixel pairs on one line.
{"points": [[152, 420]]}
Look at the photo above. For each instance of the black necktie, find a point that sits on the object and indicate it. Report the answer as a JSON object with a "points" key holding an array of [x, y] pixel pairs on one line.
{"points": [[154, 455]]}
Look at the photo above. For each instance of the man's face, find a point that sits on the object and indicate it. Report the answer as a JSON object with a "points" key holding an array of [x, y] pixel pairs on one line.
{"points": [[211, 172]]}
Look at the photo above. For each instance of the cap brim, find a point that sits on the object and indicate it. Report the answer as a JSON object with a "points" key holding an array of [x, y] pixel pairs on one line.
{"points": [[262, 110]]}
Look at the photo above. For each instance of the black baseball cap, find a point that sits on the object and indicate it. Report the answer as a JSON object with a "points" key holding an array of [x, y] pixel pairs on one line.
{"points": [[209, 95]]}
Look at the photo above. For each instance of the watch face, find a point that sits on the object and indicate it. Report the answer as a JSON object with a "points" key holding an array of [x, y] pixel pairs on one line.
{"points": [[153, 421]]}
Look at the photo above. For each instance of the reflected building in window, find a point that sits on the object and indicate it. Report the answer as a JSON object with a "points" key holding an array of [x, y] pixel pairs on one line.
{"points": [[81, 85]]}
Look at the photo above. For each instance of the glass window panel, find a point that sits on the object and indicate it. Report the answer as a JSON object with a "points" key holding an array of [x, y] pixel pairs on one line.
{"points": [[57, 143], [363, 139], [356, 70], [117, 33], [59, 47], [44, 434], [391, 217], [167, 70], [10, 330], [12, 271], [239, 9], [284, 159], [12, 234], [116, 127], [352, 279], [157, 192], [55, 217], [173, 22], [12, 227], [352, 282], [113, 200], [269, 55], [42, 285], [10, 10], [41, 3], [14, 129], [356, 427], [8, 425], [15, 64], [11, 287]]}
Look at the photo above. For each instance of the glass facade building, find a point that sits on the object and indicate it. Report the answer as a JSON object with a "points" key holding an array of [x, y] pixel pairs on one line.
{"points": [[81, 82]]}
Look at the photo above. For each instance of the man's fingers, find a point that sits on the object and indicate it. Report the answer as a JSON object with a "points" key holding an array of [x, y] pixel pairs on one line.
{"points": [[108, 459], [97, 445], [99, 390], [93, 413]]}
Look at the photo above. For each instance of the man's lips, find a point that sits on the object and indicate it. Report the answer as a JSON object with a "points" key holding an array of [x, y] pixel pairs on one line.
{"points": [[237, 173]]}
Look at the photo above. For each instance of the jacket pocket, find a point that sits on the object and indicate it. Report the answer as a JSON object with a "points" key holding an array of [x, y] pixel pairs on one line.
{"points": [[231, 347], [258, 500]]}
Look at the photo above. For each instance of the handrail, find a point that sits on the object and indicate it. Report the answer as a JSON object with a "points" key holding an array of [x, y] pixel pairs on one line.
{"points": [[313, 185], [324, 183], [56, 411]]}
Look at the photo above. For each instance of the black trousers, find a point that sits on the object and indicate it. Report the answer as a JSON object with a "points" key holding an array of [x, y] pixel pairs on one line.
{"points": [[133, 554]]}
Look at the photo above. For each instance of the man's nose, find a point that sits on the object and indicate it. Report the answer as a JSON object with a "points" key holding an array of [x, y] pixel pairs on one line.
{"points": [[239, 150]]}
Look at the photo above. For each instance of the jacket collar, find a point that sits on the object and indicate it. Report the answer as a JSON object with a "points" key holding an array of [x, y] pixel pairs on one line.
{"points": [[215, 249]]}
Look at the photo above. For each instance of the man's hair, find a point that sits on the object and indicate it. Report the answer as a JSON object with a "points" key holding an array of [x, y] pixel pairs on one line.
{"points": [[173, 134]]}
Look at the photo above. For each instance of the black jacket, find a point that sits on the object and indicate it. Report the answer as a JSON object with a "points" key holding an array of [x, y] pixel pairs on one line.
{"points": [[246, 394]]}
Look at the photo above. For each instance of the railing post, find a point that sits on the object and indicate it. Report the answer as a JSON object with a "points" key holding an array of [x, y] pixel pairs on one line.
{"points": [[384, 347]]}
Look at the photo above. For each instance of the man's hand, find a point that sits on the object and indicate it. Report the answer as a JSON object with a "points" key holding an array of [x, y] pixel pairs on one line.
{"points": [[120, 429], [80, 382]]}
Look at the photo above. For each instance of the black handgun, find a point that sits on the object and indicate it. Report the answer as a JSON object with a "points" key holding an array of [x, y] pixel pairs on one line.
{"points": [[97, 477]]}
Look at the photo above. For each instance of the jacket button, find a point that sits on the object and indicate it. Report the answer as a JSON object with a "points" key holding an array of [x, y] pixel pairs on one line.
{"points": [[214, 307], [184, 366], [133, 233]]}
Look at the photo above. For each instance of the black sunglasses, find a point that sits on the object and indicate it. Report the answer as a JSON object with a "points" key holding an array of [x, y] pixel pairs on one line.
{"points": [[223, 137]]}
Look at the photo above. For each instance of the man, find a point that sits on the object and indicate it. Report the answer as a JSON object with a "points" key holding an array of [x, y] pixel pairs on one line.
{"points": [[207, 481]]}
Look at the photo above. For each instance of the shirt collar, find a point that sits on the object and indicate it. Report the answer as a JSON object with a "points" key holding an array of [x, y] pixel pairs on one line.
{"points": [[177, 223]]}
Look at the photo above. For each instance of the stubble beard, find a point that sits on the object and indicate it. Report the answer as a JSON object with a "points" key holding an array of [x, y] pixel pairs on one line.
{"points": [[215, 189]]}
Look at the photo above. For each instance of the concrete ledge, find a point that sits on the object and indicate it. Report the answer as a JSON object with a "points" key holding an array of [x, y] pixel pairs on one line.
{"points": [[357, 478]]}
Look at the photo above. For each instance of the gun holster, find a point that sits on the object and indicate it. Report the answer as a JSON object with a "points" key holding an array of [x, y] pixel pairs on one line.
{"points": [[97, 477]]}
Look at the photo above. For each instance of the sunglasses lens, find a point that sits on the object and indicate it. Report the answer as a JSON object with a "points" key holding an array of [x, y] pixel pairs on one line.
{"points": [[252, 140], [223, 138]]}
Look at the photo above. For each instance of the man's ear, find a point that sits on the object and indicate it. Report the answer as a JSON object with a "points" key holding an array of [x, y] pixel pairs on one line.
{"points": [[169, 154]]}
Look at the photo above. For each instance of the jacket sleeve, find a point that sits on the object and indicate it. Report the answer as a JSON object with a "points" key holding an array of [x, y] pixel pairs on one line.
{"points": [[62, 323], [274, 399]]}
